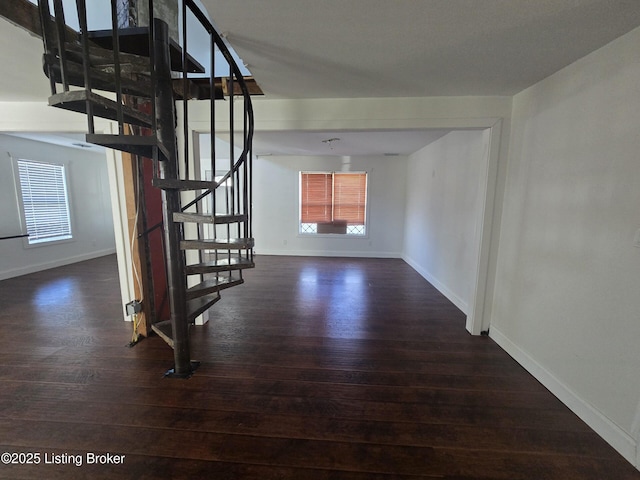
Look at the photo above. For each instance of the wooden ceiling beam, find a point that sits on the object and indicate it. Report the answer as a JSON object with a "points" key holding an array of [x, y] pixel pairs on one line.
{"points": [[23, 14]]}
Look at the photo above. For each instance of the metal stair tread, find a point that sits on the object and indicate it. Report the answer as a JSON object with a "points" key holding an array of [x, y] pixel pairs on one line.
{"points": [[102, 58], [198, 305], [212, 285], [164, 331], [100, 79], [220, 265], [136, 144], [202, 218], [135, 40], [135, 70], [76, 101], [177, 184], [217, 243]]}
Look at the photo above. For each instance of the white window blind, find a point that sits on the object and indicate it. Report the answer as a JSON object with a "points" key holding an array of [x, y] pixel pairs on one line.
{"points": [[45, 201]]}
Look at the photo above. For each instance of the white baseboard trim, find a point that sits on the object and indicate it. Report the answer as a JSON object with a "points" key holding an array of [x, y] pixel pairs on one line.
{"points": [[603, 426], [328, 253], [58, 262], [442, 288], [635, 433]]}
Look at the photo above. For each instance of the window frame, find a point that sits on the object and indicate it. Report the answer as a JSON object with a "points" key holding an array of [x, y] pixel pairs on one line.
{"points": [[27, 242], [365, 235]]}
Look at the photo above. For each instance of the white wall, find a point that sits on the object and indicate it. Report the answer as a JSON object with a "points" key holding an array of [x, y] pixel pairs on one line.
{"points": [[567, 302], [276, 197], [92, 221], [445, 192]]}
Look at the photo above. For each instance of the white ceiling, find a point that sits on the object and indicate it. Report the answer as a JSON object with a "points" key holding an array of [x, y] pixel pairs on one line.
{"points": [[411, 48], [414, 48], [329, 143], [378, 48], [345, 143]]}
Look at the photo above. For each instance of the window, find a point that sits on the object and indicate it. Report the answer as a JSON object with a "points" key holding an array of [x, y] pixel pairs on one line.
{"points": [[45, 201], [333, 203]]}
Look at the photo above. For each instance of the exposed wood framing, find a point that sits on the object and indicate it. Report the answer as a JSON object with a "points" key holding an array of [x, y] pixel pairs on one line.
{"points": [[254, 88], [142, 289]]}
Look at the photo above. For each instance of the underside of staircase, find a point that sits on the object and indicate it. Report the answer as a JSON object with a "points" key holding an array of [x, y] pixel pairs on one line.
{"points": [[139, 77]]}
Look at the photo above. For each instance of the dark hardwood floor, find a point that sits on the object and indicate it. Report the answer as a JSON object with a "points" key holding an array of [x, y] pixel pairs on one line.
{"points": [[315, 368]]}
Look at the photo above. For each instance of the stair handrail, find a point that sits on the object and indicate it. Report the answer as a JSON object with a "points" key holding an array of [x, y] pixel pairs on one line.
{"points": [[240, 166], [219, 43], [238, 76]]}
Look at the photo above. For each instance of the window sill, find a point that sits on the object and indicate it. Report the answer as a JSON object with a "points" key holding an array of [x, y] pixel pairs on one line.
{"points": [[333, 235], [49, 243]]}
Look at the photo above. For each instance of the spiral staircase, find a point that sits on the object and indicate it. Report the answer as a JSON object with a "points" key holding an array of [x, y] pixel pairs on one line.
{"points": [[143, 80]]}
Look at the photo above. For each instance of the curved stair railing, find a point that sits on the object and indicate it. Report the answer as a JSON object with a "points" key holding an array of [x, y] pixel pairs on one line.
{"points": [[145, 73]]}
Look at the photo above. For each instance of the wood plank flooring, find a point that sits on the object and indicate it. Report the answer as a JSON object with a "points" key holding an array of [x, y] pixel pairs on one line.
{"points": [[315, 368]]}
